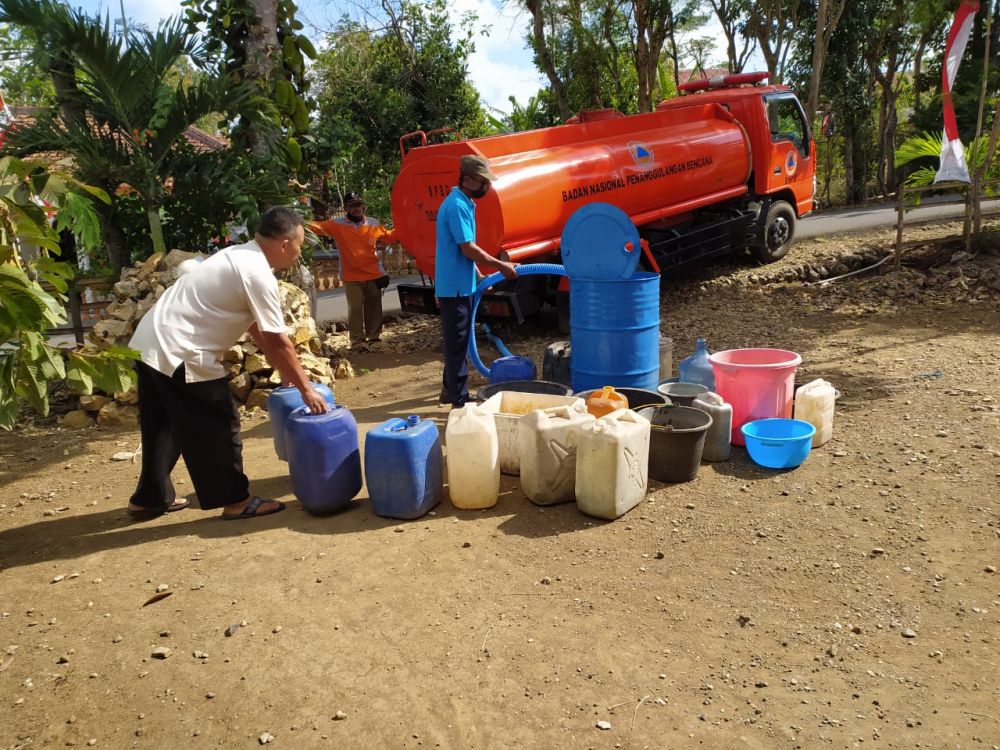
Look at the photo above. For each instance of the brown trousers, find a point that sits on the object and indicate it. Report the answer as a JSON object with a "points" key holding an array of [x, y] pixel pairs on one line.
{"points": [[364, 310]]}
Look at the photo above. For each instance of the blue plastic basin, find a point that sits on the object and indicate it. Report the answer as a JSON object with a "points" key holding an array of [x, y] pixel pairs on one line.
{"points": [[778, 443]]}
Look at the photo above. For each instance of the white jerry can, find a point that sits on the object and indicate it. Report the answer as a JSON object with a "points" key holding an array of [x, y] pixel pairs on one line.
{"points": [[547, 443], [473, 458], [612, 464], [814, 403]]}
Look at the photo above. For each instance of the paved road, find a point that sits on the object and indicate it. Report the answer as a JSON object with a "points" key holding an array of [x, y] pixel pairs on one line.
{"points": [[332, 303], [882, 215]]}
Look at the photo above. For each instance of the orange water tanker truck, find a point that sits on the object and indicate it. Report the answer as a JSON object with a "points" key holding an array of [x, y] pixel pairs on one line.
{"points": [[727, 165]]}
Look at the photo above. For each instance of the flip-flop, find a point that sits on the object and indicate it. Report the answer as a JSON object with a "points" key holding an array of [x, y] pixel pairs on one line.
{"points": [[250, 511], [147, 513]]}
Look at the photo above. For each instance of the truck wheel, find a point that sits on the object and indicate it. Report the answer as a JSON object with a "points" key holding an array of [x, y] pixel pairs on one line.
{"points": [[779, 231]]}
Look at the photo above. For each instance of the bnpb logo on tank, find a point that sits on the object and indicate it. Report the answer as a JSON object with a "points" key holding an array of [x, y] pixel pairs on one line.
{"points": [[642, 154]]}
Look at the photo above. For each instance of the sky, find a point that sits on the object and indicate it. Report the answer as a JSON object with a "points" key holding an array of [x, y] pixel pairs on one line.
{"points": [[500, 67]]}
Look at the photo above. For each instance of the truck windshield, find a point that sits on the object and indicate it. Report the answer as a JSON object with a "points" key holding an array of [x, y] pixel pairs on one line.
{"points": [[787, 122]]}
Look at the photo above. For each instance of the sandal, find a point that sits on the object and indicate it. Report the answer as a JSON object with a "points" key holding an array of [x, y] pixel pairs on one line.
{"points": [[250, 511], [148, 513]]}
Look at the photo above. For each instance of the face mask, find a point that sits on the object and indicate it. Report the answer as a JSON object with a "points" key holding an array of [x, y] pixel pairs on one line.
{"points": [[356, 218], [483, 190]]}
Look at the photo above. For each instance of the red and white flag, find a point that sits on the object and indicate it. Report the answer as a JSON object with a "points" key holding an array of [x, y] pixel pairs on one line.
{"points": [[953, 165]]}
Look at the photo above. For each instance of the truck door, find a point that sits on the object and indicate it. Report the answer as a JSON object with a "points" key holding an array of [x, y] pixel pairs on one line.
{"points": [[792, 161]]}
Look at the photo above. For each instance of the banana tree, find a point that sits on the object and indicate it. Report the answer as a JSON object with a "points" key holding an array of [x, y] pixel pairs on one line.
{"points": [[28, 193]]}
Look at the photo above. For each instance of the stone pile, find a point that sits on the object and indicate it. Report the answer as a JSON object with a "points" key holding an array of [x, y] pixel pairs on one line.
{"points": [[251, 377]]}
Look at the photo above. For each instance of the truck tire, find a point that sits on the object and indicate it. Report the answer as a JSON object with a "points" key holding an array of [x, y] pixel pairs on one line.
{"points": [[779, 232]]}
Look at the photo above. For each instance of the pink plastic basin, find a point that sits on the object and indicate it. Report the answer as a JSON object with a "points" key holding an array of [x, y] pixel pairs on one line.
{"points": [[759, 383]]}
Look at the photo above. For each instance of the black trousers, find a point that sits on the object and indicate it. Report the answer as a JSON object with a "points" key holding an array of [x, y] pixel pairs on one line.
{"points": [[456, 327], [195, 420]]}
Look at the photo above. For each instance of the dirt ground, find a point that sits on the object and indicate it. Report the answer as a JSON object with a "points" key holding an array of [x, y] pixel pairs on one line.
{"points": [[853, 602]]}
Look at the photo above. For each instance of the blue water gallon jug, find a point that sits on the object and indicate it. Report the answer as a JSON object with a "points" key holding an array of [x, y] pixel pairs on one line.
{"points": [[280, 403], [323, 458], [403, 467], [697, 368], [512, 368]]}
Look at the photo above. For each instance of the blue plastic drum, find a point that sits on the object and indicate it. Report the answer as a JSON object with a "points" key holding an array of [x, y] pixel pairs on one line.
{"points": [[600, 242], [615, 332]]}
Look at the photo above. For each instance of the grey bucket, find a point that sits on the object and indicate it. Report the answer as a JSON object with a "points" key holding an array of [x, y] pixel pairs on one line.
{"points": [[676, 441], [682, 394]]}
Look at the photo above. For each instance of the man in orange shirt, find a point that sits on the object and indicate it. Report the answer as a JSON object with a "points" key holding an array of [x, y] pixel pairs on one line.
{"points": [[360, 269]]}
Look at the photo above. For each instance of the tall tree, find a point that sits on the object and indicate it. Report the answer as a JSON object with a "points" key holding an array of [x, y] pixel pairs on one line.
{"points": [[889, 54], [375, 84], [259, 43], [653, 20], [828, 13], [849, 84], [773, 24], [739, 46]]}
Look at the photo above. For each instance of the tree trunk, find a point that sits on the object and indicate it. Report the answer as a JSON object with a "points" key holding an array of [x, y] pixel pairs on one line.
{"points": [[849, 166], [63, 75], [262, 45], [827, 17], [650, 34], [545, 57], [883, 120], [118, 253], [609, 39], [980, 173], [891, 126]]}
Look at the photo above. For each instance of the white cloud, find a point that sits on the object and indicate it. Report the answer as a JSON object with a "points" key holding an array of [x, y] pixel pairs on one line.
{"points": [[501, 66]]}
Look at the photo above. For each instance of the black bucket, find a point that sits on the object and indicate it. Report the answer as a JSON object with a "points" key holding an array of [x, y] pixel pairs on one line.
{"points": [[676, 441], [524, 386], [637, 397]]}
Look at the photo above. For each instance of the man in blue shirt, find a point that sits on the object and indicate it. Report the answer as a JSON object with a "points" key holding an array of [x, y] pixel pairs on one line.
{"points": [[455, 271]]}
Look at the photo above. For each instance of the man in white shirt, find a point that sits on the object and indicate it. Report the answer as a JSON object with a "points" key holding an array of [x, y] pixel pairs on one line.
{"points": [[185, 406]]}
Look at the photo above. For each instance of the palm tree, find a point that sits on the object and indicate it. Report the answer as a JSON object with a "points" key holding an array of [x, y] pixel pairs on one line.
{"points": [[135, 113]]}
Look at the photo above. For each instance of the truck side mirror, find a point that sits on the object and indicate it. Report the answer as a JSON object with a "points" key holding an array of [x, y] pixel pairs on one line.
{"points": [[829, 126]]}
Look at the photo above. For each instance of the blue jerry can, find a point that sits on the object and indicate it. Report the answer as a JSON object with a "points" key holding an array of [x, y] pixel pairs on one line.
{"points": [[323, 458], [280, 403], [403, 467]]}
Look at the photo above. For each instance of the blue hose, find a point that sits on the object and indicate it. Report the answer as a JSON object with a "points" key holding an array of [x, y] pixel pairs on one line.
{"points": [[496, 341], [532, 269]]}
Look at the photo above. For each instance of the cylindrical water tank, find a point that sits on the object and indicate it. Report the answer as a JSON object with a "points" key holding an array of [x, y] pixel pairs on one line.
{"points": [[615, 334], [643, 164]]}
